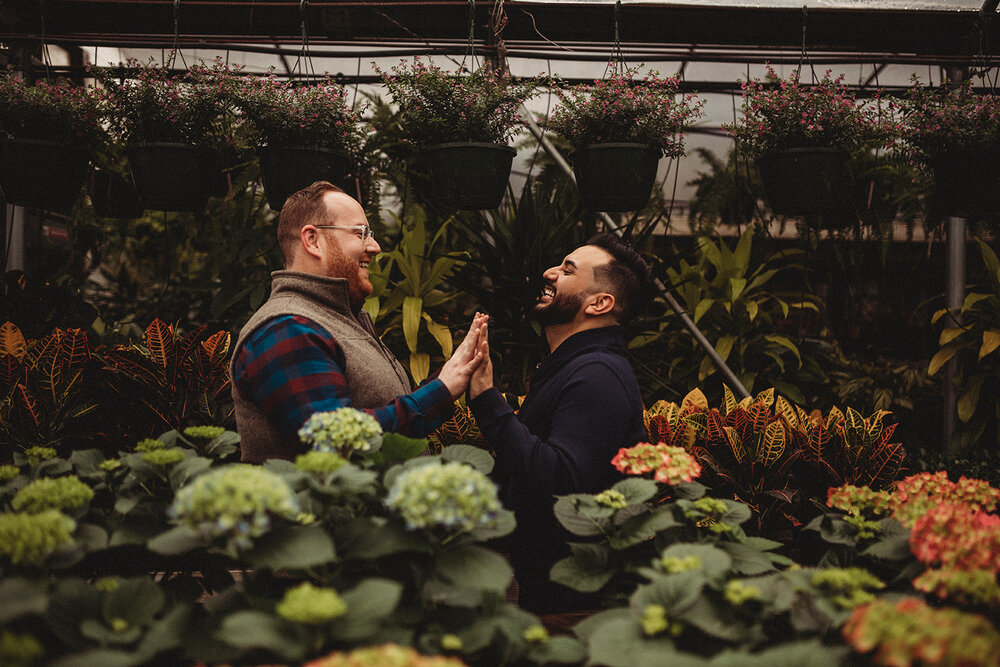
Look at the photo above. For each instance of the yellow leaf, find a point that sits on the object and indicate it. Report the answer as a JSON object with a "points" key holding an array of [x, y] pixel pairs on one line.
{"points": [[784, 408], [772, 445], [420, 366], [412, 307], [766, 397], [941, 358], [728, 400], [441, 334], [991, 341], [12, 341], [938, 314], [950, 334], [694, 399]]}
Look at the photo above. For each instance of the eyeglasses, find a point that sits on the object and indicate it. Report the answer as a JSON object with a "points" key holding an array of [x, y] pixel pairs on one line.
{"points": [[363, 232]]}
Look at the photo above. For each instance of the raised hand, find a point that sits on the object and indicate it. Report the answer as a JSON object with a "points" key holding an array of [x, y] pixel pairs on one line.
{"points": [[482, 377], [468, 356]]}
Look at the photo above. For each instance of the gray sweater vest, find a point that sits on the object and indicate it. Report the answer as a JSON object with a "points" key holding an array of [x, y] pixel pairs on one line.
{"points": [[374, 376]]}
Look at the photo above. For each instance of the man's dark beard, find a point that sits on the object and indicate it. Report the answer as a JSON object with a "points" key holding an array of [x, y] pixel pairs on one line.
{"points": [[558, 311]]}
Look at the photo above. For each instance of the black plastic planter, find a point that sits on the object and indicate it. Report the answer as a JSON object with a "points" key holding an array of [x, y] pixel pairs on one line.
{"points": [[288, 169], [173, 176], [468, 176], [615, 176], [42, 174], [804, 181]]}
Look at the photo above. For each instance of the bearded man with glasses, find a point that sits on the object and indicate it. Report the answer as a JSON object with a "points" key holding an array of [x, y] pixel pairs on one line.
{"points": [[312, 348]]}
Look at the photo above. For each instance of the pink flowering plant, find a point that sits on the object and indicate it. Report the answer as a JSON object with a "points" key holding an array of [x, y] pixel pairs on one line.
{"points": [[152, 104], [286, 113], [437, 106], [668, 464], [54, 110], [936, 120], [627, 107], [788, 113]]}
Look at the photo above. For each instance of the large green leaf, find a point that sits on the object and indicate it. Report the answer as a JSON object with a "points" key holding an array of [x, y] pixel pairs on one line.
{"points": [[969, 400], [257, 630], [473, 567], [135, 600], [396, 448], [641, 528], [293, 548], [368, 605], [370, 538], [20, 597], [716, 620], [714, 562], [478, 458], [441, 334], [412, 308], [177, 540], [675, 593], [581, 515], [585, 572], [746, 560], [636, 489]]}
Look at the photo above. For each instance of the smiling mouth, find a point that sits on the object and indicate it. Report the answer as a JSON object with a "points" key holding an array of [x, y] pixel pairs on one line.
{"points": [[363, 264], [548, 292]]}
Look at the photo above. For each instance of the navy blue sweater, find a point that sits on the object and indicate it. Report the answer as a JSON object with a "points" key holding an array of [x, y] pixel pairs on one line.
{"points": [[584, 404]]}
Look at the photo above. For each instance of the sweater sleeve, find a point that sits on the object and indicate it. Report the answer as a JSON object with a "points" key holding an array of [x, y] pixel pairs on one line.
{"points": [[589, 415], [291, 367]]}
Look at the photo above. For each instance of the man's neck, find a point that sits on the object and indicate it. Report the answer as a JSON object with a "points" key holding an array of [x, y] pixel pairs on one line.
{"points": [[556, 334]]}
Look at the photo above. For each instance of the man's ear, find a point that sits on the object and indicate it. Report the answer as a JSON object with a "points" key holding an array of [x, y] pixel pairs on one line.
{"points": [[601, 303], [309, 236]]}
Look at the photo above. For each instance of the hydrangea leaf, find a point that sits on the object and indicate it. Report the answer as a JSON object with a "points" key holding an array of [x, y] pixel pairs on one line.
{"points": [[135, 600], [561, 650], [19, 597], [808, 653], [582, 572], [746, 559], [716, 620], [714, 562], [254, 629], [397, 448], [177, 540], [636, 490], [675, 594], [369, 604], [72, 601], [477, 458], [473, 567], [502, 524], [641, 528], [297, 547], [366, 539], [581, 515]]}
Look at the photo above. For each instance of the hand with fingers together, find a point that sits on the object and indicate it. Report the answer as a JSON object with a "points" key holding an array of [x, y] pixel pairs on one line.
{"points": [[467, 358]]}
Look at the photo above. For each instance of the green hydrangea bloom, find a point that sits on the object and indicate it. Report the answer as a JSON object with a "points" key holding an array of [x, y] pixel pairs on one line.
{"points": [[611, 498], [17, 650], [312, 605], [451, 495], [204, 432], [29, 538], [654, 619], [738, 593], [150, 445], [707, 512], [58, 493], [8, 472], [164, 457], [107, 584], [866, 529], [236, 502], [536, 634], [36, 455], [451, 642], [673, 565], [109, 465], [343, 430], [848, 587], [386, 655], [319, 462]]}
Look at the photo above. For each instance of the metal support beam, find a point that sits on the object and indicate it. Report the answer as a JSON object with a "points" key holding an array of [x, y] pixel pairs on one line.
{"points": [[954, 297], [553, 152]]}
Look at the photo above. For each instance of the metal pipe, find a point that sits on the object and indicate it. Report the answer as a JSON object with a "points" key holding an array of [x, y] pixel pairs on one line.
{"points": [[727, 372], [955, 296]]}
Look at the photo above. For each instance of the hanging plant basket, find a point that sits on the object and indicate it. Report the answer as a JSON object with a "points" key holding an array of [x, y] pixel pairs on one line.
{"points": [[287, 169], [112, 194], [615, 176], [470, 175], [42, 174], [173, 176], [804, 181], [967, 180]]}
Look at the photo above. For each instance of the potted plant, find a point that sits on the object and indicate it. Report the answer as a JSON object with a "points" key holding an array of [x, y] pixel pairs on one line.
{"points": [[956, 133], [620, 127], [170, 124], [48, 130], [304, 133], [800, 136], [460, 123]]}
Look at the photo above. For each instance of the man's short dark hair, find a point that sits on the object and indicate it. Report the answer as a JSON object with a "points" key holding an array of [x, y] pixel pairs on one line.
{"points": [[627, 276], [300, 209]]}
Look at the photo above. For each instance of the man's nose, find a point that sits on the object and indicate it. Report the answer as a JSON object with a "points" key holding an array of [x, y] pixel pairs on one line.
{"points": [[373, 242]]}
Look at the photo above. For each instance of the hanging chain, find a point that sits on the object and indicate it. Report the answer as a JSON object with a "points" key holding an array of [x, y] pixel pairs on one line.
{"points": [[304, 57], [470, 46], [617, 61]]}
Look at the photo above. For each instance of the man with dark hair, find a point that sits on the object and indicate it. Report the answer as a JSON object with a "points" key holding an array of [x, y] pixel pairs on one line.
{"points": [[583, 406], [312, 348]]}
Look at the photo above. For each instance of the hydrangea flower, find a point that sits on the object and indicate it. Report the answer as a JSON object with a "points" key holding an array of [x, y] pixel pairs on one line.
{"points": [[707, 513], [149, 445], [916, 494], [343, 431], [910, 632], [669, 464], [235, 502], [58, 493], [451, 642], [859, 500], [109, 465], [451, 495], [204, 432], [36, 455], [311, 605], [8, 472], [848, 587], [654, 621], [673, 564], [19, 649], [164, 457], [957, 536], [319, 462], [387, 655], [738, 593], [536, 634], [611, 498], [29, 538], [969, 588]]}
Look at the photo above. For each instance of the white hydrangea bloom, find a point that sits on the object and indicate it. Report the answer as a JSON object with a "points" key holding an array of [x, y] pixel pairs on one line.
{"points": [[343, 431], [451, 495]]}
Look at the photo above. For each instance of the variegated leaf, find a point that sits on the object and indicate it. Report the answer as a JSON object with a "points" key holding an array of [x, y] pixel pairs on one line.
{"points": [[695, 400], [766, 397], [74, 349], [10, 372], [728, 400], [772, 445], [12, 341], [785, 409], [735, 443], [854, 428], [160, 342], [216, 348]]}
